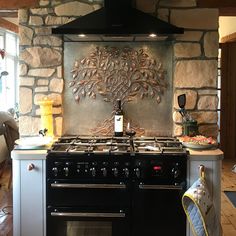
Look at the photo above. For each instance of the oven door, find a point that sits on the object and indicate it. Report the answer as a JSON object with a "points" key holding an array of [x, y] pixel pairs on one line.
{"points": [[75, 221], [80, 208], [157, 210], [84, 193]]}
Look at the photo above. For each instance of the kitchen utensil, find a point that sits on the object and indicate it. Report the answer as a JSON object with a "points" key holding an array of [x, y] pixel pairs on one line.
{"points": [[182, 103], [182, 100]]}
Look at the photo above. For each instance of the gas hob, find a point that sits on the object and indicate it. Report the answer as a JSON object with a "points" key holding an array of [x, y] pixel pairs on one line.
{"points": [[117, 145]]}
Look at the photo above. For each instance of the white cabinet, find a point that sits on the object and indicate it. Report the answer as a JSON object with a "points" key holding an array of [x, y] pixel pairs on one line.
{"points": [[29, 194], [212, 163]]}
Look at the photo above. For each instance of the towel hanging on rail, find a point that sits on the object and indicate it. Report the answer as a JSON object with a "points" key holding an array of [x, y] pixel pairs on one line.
{"points": [[198, 206]]}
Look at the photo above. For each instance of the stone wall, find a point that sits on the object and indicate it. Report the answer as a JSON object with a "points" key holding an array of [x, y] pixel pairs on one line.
{"points": [[195, 59]]}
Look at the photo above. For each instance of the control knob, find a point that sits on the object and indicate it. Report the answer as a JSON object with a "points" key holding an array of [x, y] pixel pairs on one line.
{"points": [[137, 172], [126, 172], [66, 171], [93, 171], [115, 172], [55, 171], [175, 171], [104, 172]]}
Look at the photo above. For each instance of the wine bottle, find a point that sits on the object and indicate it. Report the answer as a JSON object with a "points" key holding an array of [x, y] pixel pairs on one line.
{"points": [[118, 123]]}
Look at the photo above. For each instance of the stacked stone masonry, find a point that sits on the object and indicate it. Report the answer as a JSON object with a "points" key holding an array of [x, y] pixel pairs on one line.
{"points": [[195, 59]]}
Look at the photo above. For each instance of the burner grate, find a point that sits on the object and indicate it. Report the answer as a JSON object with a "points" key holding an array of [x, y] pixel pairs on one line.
{"points": [[96, 144]]}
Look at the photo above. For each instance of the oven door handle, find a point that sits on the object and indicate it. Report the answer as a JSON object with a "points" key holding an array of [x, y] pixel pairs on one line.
{"points": [[84, 186], [89, 214], [160, 187]]}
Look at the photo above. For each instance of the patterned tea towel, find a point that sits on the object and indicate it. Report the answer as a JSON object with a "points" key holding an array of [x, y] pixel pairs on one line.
{"points": [[198, 206]]}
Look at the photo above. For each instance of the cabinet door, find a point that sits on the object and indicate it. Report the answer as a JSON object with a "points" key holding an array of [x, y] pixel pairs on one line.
{"points": [[32, 212]]}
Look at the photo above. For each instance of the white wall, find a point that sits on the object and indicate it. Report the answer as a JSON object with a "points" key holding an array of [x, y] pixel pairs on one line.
{"points": [[227, 25]]}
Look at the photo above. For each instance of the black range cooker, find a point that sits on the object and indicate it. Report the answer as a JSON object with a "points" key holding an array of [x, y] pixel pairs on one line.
{"points": [[115, 186]]}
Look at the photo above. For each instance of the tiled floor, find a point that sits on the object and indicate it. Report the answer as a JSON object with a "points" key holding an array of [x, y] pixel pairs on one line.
{"points": [[5, 204]]}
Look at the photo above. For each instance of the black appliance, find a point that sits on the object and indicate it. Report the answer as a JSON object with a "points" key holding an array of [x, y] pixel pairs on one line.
{"points": [[116, 19], [113, 186]]}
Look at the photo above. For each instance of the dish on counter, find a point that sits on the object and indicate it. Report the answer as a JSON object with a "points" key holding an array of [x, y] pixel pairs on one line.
{"points": [[198, 142], [35, 141]]}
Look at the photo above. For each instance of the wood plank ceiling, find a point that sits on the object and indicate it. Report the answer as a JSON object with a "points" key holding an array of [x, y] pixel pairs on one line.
{"points": [[9, 8]]}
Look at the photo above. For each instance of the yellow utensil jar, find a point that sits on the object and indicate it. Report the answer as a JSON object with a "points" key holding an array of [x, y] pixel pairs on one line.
{"points": [[46, 115]]}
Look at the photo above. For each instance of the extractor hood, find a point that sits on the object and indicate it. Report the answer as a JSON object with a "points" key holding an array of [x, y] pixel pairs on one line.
{"points": [[117, 21]]}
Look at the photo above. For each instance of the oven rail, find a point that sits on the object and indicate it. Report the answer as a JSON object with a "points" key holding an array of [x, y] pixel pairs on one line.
{"points": [[90, 186], [160, 187], [89, 214]]}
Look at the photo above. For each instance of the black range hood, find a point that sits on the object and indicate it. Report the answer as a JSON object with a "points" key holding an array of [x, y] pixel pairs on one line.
{"points": [[117, 21]]}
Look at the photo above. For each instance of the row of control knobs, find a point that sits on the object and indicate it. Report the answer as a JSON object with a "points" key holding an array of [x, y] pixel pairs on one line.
{"points": [[67, 170], [93, 171]]}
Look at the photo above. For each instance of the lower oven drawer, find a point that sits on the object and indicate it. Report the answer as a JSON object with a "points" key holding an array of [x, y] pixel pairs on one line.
{"points": [[67, 221], [84, 194]]}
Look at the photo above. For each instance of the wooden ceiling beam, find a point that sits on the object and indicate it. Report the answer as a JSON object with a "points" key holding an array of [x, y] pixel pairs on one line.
{"points": [[16, 4], [229, 38], [216, 3], [227, 11], [226, 7], [8, 25], [9, 13]]}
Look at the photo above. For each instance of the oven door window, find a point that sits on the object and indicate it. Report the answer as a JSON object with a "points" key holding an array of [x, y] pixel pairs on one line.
{"points": [[86, 222], [87, 228]]}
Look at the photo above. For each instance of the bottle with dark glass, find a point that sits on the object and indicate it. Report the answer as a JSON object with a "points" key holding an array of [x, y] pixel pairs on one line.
{"points": [[118, 123]]}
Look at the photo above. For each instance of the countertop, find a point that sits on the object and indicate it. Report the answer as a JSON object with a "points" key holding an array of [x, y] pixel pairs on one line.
{"points": [[29, 154], [203, 155]]}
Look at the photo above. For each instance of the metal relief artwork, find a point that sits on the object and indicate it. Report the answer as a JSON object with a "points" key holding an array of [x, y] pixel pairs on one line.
{"points": [[118, 73]]}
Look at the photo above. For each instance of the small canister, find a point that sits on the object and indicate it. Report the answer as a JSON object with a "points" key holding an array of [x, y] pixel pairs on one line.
{"points": [[46, 115], [190, 128]]}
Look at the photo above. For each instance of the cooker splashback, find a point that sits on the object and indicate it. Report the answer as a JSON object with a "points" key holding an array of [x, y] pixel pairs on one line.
{"points": [[96, 74]]}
